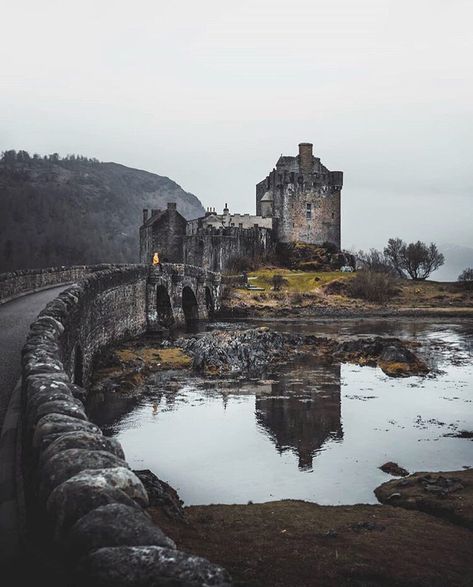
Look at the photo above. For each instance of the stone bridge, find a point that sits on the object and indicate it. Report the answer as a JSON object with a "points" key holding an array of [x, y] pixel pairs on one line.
{"points": [[58, 473], [177, 294]]}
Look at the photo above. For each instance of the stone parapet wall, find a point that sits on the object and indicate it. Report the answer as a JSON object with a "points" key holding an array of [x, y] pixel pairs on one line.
{"points": [[81, 496], [18, 283]]}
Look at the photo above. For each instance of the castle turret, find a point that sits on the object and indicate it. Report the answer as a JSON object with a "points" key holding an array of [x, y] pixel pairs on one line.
{"points": [[267, 205], [303, 198]]}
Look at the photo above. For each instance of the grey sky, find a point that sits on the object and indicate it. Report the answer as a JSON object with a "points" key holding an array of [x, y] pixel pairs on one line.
{"points": [[210, 93]]}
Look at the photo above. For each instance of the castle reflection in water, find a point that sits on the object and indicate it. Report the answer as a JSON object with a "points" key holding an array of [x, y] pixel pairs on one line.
{"points": [[299, 410], [300, 416]]}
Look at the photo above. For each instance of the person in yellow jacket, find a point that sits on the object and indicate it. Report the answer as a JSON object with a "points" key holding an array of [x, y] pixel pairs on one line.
{"points": [[156, 261]]}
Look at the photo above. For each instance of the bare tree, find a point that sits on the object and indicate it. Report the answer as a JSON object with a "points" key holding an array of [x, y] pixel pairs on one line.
{"points": [[374, 260]]}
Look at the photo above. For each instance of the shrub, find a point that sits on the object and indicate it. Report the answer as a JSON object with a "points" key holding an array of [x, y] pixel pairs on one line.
{"points": [[372, 286], [330, 247], [278, 281], [466, 278], [297, 299]]}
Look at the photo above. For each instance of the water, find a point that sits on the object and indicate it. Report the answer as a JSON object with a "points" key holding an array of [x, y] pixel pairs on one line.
{"points": [[307, 431]]}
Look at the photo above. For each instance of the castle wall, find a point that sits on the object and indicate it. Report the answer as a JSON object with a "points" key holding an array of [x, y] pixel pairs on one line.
{"points": [[217, 221], [215, 249], [319, 225], [165, 235]]}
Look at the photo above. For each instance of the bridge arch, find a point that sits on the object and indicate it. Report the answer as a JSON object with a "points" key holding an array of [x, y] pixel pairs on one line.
{"points": [[164, 311], [190, 306]]}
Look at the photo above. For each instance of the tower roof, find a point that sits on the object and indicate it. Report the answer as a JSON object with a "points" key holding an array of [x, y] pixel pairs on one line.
{"points": [[268, 197]]}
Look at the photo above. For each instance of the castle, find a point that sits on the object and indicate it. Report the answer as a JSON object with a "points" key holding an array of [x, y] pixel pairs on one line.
{"points": [[299, 201]]}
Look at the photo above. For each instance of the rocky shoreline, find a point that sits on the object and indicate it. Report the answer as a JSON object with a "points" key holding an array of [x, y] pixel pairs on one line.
{"points": [[246, 352]]}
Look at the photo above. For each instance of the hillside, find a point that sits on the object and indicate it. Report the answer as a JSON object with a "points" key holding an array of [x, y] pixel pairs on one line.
{"points": [[76, 210]]}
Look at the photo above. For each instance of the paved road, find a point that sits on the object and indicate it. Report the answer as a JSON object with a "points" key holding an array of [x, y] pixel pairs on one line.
{"points": [[15, 319]]}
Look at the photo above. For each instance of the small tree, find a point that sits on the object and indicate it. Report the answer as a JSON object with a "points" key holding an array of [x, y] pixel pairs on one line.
{"points": [[420, 260], [415, 259], [466, 278]]}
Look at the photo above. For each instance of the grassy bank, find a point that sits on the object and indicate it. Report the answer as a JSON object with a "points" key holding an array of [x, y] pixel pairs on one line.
{"points": [[312, 292]]}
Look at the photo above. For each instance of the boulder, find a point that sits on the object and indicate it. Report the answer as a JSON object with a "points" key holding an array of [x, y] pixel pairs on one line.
{"points": [[245, 351], [447, 495], [115, 525], [149, 566], [67, 463], [54, 424], [88, 490], [394, 469], [82, 439], [67, 407], [161, 494]]}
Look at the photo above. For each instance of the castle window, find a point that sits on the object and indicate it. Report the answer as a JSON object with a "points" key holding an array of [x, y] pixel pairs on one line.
{"points": [[240, 225], [256, 226], [308, 213], [333, 215], [232, 224]]}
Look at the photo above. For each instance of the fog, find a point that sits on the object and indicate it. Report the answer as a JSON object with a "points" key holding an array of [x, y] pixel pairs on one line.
{"points": [[210, 93]]}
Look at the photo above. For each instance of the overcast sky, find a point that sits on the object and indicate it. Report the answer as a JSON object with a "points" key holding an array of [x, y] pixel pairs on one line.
{"points": [[211, 92]]}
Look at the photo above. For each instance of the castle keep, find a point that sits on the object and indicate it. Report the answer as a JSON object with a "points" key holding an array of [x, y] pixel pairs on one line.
{"points": [[299, 201]]}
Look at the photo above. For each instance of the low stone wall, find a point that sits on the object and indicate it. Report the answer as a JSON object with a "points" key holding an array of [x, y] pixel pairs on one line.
{"points": [[81, 495], [18, 283]]}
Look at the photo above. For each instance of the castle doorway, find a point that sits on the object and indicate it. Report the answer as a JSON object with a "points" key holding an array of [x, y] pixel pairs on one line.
{"points": [[209, 302], [189, 305], [163, 307]]}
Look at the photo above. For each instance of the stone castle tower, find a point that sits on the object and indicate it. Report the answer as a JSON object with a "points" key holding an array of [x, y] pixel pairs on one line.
{"points": [[303, 198], [298, 201]]}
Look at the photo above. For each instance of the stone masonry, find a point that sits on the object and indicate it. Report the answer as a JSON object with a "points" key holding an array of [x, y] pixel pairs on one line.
{"points": [[299, 201]]}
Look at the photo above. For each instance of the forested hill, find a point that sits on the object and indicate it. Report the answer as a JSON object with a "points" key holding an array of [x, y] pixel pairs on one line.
{"points": [[77, 210]]}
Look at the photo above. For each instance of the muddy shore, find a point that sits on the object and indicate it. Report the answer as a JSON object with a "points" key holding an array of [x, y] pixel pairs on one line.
{"points": [[288, 543]]}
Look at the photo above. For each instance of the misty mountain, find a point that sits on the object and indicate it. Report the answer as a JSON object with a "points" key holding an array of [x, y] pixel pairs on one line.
{"points": [[76, 210]]}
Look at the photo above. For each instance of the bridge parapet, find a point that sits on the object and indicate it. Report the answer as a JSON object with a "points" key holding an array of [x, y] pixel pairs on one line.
{"points": [[22, 282], [88, 504]]}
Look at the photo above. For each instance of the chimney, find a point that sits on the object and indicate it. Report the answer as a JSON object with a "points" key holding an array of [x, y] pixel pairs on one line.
{"points": [[145, 215], [154, 211], [171, 205], [305, 157]]}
